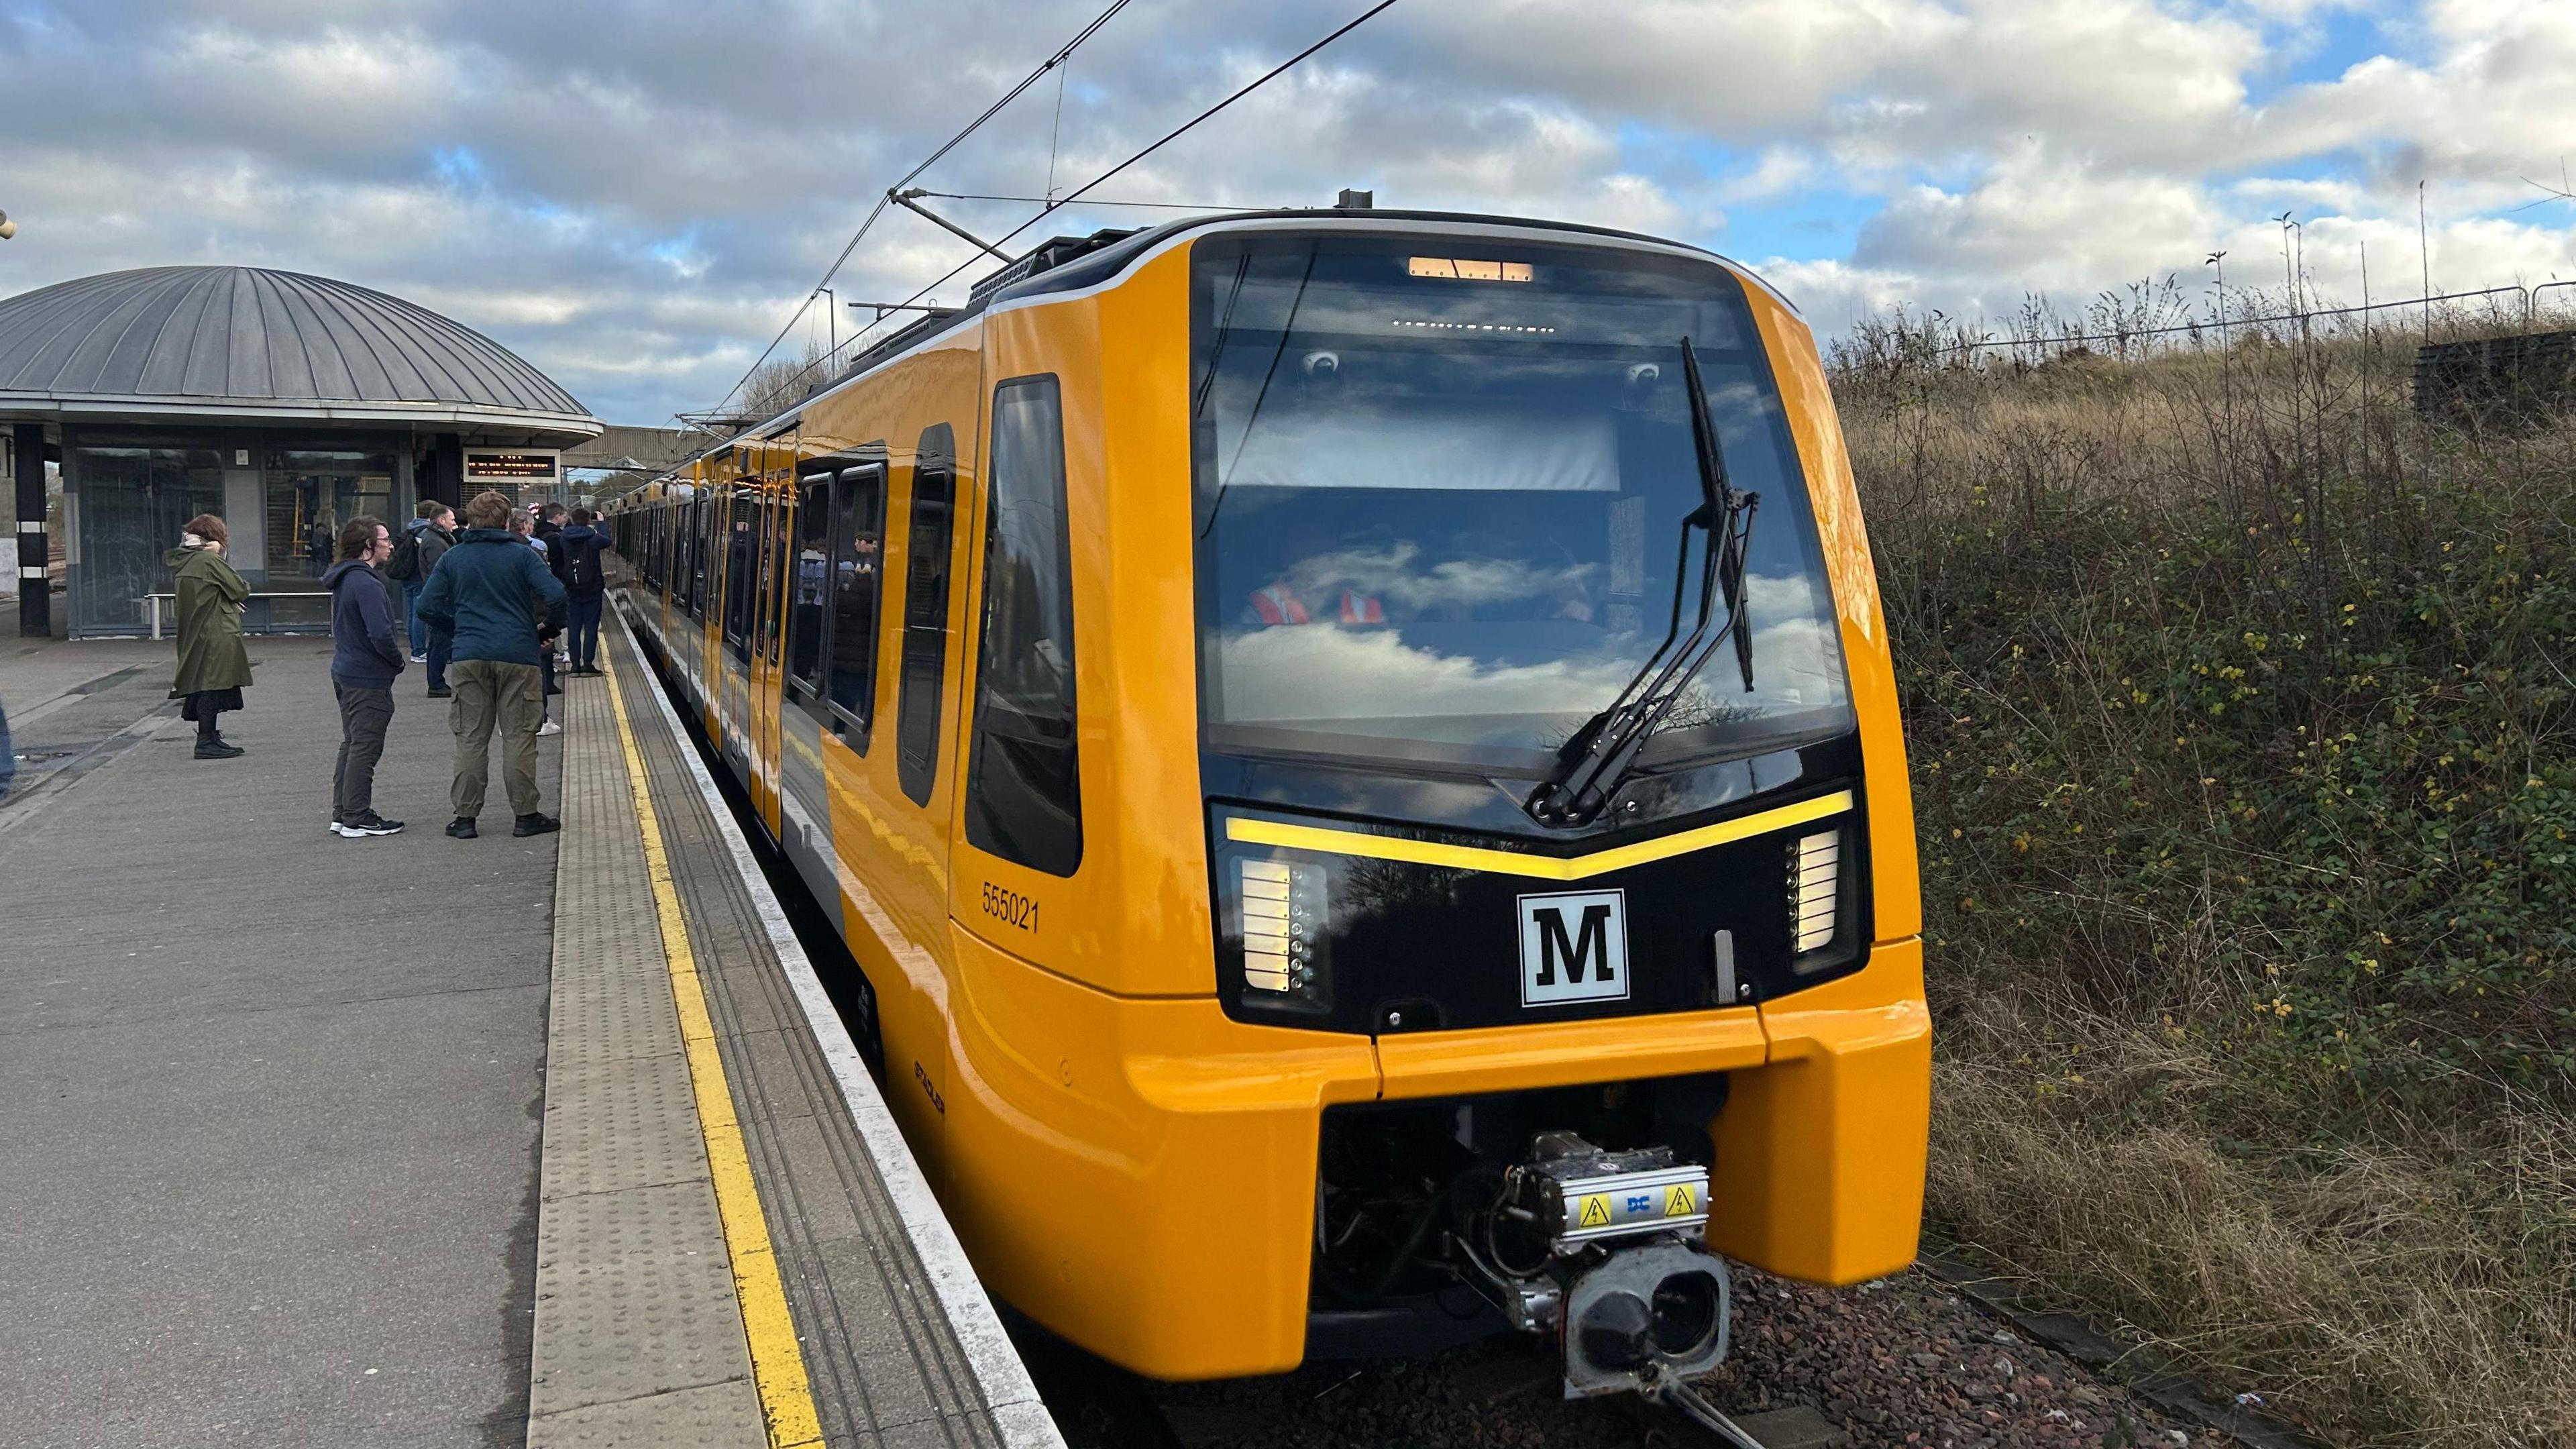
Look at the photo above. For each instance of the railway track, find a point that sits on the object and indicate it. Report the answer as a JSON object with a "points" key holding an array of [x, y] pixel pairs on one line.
{"points": [[1905, 1362]]}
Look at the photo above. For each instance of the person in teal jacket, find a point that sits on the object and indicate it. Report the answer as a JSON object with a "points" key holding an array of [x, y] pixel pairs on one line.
{"points": [[486, 592]]}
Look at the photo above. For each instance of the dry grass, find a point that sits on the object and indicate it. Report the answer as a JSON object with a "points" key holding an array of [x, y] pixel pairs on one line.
{"points": [[2414, 1289], [2230, 693]]}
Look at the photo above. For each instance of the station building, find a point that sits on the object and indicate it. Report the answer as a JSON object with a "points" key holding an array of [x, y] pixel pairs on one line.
{"points": [[283, 403]]}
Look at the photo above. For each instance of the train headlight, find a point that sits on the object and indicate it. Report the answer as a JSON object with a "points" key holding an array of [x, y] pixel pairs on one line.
{"points": [[1280, 908], [1815, 890]]}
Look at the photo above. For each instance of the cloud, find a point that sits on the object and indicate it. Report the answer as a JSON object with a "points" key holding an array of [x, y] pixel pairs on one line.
{"points": [[635, 194]]}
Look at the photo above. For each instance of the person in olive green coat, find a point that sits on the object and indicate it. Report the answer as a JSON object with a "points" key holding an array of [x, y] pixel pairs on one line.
{"points": [[213, 665]]}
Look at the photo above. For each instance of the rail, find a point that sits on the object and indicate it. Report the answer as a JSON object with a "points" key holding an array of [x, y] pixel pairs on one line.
{"points": [[152, 602], [2124, 336]]}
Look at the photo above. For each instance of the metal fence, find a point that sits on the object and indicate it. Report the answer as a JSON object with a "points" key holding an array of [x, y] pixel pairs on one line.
{"points": [[2510, 305]]}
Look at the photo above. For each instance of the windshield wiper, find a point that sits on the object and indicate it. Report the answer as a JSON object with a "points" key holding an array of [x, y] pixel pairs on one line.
{"points": [[1596, 760]]}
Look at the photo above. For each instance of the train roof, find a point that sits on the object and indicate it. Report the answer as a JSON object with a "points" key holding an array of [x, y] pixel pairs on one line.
{"points": [[1070, 264]]}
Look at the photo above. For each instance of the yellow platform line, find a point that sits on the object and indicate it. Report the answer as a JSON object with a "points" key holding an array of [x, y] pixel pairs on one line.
{"points": [[777, 1364]]}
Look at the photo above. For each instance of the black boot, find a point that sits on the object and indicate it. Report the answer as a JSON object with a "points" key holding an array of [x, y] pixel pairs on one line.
{"points": [[462, 827], [213, 747], [537, 824]]}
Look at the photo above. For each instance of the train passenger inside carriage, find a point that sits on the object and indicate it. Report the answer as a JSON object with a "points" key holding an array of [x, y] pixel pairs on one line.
{"points": [[1440, 502]]}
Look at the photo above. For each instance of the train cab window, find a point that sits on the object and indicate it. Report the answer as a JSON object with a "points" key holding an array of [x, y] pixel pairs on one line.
{"points": [[737, 577], [1023, 792], [925, 613], [857, 549], [1442, 518], [809, 578]]}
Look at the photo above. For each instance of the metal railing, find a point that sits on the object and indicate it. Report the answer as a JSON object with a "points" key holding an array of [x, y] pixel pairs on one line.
{"points": [[2222, 324]]}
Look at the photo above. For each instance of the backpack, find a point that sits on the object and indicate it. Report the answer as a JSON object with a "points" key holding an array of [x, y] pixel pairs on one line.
{"points": [[404, 566], [581, 566]]}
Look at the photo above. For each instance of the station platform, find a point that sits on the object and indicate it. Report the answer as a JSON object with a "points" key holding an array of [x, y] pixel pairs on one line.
{"points": [[418, 1141]]}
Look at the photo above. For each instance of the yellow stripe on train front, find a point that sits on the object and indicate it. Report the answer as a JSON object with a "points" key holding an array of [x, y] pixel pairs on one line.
{"points": [[1329, 841]]}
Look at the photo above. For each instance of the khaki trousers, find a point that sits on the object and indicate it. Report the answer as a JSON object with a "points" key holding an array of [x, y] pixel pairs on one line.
{"points": [[490, 693]]}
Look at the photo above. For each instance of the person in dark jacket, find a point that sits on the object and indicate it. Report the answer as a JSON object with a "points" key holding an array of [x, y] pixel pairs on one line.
{"points": [[366, 654], [485, 592], [547, 520], [213, 666], [430, 533], [577, 550]]}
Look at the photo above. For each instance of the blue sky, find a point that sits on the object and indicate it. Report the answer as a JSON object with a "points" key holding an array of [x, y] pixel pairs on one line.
{"points": [[637, 194]]}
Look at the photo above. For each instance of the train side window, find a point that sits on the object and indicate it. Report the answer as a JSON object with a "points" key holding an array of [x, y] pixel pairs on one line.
{"points": [[925, 613], [764, 535], [778, 572], [737, 576], [1023, 787], [693, 582], [858, 548], [808, 608]]}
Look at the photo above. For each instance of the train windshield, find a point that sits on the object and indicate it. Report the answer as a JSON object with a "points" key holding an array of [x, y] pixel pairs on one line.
{"points": [[1440, 490]]}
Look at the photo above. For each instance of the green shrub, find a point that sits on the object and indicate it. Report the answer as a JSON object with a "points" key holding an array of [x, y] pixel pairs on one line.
{"points": [[2242, 718]]}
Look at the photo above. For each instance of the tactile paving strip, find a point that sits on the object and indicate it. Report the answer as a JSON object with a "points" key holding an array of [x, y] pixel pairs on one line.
{"points": [[713, 1414], [639, 1335], [605, 1016], [622, 1124], [884, 1364]]}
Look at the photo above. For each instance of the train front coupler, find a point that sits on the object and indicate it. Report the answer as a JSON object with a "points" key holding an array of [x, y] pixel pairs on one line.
{"points": [[1602, 1251]]}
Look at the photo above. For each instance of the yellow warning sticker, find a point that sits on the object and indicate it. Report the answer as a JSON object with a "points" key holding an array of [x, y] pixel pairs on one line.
{"points": [[1596, 1212], [1677, 1202]]}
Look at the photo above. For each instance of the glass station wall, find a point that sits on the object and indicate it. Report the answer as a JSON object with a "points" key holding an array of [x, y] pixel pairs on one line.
{"points": [[309, 492], [133, 496], [282, 495]]}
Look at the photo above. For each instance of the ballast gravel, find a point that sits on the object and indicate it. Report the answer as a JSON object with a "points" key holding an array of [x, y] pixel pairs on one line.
{"points": [[1904, 1361]]}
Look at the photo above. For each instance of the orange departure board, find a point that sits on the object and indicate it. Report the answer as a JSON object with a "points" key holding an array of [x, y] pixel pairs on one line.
{"points": [[511, 467]]}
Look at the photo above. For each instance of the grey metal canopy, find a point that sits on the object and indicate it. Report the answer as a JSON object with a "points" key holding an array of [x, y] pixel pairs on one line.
{"points": [[244, 342]]}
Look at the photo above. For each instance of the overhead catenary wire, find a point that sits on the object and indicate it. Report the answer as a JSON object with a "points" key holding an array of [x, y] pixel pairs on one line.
{"points": [[1061, 55], [1041, 201], [1051, 207]]}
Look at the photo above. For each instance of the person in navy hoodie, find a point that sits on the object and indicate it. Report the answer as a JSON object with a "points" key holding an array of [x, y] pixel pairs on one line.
{"points": [[366, 654]]}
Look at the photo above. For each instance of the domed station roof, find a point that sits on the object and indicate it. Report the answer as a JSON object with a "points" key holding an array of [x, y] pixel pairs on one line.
{"points": [[242, 343]]}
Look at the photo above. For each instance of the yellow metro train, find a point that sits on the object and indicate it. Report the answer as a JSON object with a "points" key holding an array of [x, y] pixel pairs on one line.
{"points": [[1357, 755]]}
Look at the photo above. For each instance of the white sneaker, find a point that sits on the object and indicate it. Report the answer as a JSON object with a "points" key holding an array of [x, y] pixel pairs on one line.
{"points": [[420, 659], [550, 728]]}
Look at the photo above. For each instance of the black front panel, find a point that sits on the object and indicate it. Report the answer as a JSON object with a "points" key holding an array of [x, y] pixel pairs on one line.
{"points": [[1381, 945]]}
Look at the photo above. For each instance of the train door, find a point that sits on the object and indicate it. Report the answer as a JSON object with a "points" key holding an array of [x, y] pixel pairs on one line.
{"points": [[694, 631], [766, 682], [1018, 832], [913, 759], [806, 712], [732, 663]]}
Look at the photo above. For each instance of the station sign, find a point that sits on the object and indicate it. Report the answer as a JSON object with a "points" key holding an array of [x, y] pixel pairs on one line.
{"points": [[526, 465]]}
